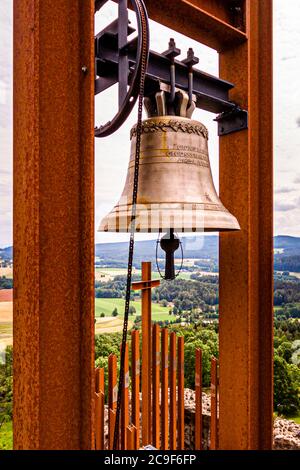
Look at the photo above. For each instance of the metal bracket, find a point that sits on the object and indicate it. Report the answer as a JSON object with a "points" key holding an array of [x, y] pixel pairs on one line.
{"points": [[232, 121]]}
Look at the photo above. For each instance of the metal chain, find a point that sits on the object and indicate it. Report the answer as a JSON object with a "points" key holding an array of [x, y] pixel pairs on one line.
{"points": [[144, 63]]}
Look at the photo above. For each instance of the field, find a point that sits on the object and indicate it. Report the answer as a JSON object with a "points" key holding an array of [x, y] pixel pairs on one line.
{"points": [[107, 274], [106, 306], [108, 324], [5, 323], [7, 272]]}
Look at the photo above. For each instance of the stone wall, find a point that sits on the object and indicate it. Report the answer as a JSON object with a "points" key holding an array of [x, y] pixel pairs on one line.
{"points": [[286, 432]]}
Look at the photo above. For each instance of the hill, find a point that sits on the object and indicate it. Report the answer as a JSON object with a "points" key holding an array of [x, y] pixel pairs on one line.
{"points": [[287, 251]]}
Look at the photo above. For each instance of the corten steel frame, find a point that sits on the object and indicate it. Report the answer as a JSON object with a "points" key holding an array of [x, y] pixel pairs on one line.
{"points": [[53, 218], [53, 224]]}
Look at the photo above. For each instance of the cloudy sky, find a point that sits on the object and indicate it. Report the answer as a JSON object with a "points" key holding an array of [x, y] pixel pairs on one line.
{"points": [[112, 153]]}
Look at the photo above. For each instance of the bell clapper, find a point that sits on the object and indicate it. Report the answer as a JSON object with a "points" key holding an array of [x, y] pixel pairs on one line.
{"points": [[169, 243]]}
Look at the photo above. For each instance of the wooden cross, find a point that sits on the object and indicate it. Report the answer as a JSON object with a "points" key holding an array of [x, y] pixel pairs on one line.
{"points": [[145, 285]]}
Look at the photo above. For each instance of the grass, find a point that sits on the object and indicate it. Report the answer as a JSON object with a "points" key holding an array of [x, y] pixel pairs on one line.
{"points": [[295, 418], [106, 306], [110, 325], [6, 436]]}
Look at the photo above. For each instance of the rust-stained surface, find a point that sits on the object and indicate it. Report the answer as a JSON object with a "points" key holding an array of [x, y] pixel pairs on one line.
{"points": [[125, 402], [53, 224], [112, 396], [164, 389], [146, 286], [198, 399], [172, 379], [204, 21], [180, 399], [246, 258], [156, 411], [135, 384], [214, 405]]}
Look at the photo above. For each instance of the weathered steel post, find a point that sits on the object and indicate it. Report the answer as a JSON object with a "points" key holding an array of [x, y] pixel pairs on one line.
{"points": [[53, 224]]}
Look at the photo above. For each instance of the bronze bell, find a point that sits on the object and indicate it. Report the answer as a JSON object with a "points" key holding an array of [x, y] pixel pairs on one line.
{"points": [[176, 192], [176, 188]]}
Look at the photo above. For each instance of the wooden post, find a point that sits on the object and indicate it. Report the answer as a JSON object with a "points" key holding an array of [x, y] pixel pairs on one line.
{"points": [[112, 396], [125, 402], [173, 415], [135, 384], [156, 385], [214, 405], [164, 390], [53, 225], [146, 285], [180, 402], [198, 392]]}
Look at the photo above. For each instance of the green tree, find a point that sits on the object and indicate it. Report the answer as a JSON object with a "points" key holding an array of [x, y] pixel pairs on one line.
{"points": [[132, 310], [115, 312], [286, 391]]}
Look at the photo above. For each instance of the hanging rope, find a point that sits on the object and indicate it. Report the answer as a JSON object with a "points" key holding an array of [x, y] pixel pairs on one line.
{"points": [[144, 63]]}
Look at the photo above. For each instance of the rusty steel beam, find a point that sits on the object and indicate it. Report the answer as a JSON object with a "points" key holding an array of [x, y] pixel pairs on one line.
{"points": [[125, 402], [156, 411], [214, 404], [202, 21], [164, 390], [173, 392], [198, 399], [246, 258], [146, 355], [135, 384], [112, 396], [180, 400], [53, 224]]}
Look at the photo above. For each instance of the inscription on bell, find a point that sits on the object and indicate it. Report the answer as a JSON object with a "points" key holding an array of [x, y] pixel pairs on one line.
{"points": [[188, 154]]}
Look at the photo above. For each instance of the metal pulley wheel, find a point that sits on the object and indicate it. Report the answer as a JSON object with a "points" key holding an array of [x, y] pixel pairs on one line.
{"points": [[129, 77]]}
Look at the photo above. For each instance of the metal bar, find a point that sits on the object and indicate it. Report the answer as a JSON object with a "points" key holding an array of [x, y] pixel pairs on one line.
{"points": [[97, 380], [130, 438], [214, 405], [246, 259], [99, 420], [135, 383], [99, 408], [122, 57], [212, 93], [164, 390], [125, 402], [180, 400], [53, 224], [112, 395], [146, 356], [112, 421], [101, 380], [145, 284], [198, 393], [156, 386], [173, 414]]}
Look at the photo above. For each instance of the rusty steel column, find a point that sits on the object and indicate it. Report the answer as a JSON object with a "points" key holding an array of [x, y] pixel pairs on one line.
{"points": [[246, 258], [53, 224]]}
